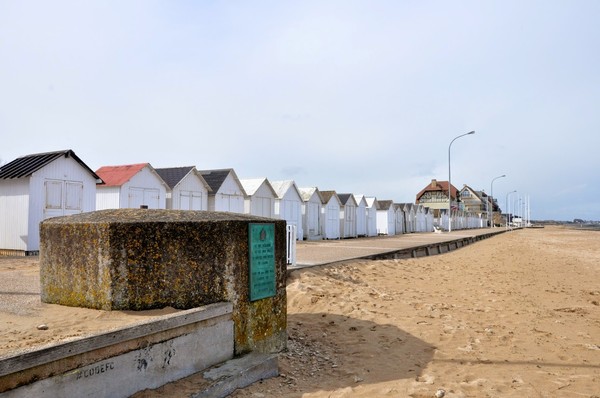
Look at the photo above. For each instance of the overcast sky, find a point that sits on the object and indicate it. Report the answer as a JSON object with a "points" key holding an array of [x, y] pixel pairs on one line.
{"points": [[353, 96]]}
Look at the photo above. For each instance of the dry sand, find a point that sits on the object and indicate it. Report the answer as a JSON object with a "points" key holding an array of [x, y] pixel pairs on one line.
{"points": [[517, 315], [21, 312]]}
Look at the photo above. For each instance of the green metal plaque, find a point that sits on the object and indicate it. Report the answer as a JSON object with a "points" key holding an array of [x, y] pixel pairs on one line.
{"points": [[262, 261]]}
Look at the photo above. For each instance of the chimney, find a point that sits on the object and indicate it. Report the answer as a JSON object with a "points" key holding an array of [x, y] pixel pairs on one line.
{"points": [[433, 183]]}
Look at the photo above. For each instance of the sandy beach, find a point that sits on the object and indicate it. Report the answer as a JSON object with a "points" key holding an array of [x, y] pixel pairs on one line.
{"points": [[517, 315]]}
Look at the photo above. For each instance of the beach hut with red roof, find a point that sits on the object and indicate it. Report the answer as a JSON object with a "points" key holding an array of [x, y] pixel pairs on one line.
{"points": [[131, 186]]}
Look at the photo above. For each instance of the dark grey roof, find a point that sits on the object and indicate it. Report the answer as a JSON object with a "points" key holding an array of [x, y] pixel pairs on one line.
{"points": [[215, 178], [173, 175], [25, 166], [344, 197], [384, 204]]}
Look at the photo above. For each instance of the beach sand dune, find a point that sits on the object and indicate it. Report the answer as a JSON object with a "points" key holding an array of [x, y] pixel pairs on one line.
{"points": [[517, 315]]}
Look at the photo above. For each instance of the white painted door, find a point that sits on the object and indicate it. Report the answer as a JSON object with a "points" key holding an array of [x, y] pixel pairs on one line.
{"points": [[333, 223], [312, 215], [143, 197], [62, 198], [190, 200]]}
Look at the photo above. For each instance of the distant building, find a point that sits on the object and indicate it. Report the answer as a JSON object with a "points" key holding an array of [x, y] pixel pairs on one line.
{"points": [[435, 195], [473, 201]]}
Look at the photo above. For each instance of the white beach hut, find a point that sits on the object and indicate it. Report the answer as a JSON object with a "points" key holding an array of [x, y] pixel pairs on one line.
{"points": [[39, 186], [288, 204], [348, 217], [410, 223], [371, 212], [312, 202], [130, 187], [420, 218], [331, 215], [399, 218], [227, 193], [187, 188], [361, 215], [429, 219], [386, 217], [260, 197]]}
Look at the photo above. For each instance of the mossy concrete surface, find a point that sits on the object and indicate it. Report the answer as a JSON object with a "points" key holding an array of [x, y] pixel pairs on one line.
{"points": [[140, 259]]}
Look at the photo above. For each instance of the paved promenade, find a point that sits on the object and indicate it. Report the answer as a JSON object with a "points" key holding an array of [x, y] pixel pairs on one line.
{"points": [[312, 253]]}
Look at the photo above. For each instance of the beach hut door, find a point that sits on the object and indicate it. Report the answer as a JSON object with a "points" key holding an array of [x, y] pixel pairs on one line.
{"points": [[62, 198]]}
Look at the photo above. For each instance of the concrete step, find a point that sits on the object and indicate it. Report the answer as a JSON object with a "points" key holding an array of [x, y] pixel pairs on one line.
{"points": [[220, 380], [238, 373]]}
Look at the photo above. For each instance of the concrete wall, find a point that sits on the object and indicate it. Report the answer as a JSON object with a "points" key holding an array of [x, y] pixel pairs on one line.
{"points": [[135, 259], [122, 362]]}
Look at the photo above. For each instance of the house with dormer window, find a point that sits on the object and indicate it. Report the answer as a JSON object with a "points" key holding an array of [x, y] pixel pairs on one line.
{"points": [[435, 195], [473, 201]]}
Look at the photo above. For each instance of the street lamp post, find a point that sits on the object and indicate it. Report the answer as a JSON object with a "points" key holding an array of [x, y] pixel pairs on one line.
{"points": [[491, 213], [450, 181], [507, 207]]}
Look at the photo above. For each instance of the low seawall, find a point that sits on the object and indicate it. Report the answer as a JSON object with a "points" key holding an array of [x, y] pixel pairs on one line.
{"points": [[122, 362]]}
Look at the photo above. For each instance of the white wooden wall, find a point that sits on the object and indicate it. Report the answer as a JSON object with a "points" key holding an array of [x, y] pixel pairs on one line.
{"points": [[361, 217], [14, 213], [60, 188], [289, 208], [189, 194], [312, 218], [107, 197], [229, 197], [348, 221], [372, 219], [331, 219], [399, 220], [386, 221], [262, 203]]}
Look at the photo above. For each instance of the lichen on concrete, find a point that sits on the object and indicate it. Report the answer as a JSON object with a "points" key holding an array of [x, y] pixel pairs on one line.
{"points": [[139, 259]]}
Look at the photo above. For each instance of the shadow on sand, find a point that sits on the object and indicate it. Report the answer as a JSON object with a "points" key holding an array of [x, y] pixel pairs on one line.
{"points": [[340, 351]]}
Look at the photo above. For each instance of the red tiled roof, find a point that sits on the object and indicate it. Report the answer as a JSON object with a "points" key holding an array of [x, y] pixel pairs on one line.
{"points": [[439, 186], [114, 176]]}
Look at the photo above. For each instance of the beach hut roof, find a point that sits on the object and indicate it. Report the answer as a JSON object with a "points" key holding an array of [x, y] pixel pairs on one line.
{"points": [[25, 166], [174, 175]]}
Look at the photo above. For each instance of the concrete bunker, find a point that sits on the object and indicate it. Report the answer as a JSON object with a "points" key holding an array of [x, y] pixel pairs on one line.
{"points": [[139, 259]]}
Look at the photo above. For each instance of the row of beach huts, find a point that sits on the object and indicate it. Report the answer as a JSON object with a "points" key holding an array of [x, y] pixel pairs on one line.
{"points": [[39, 186]]}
